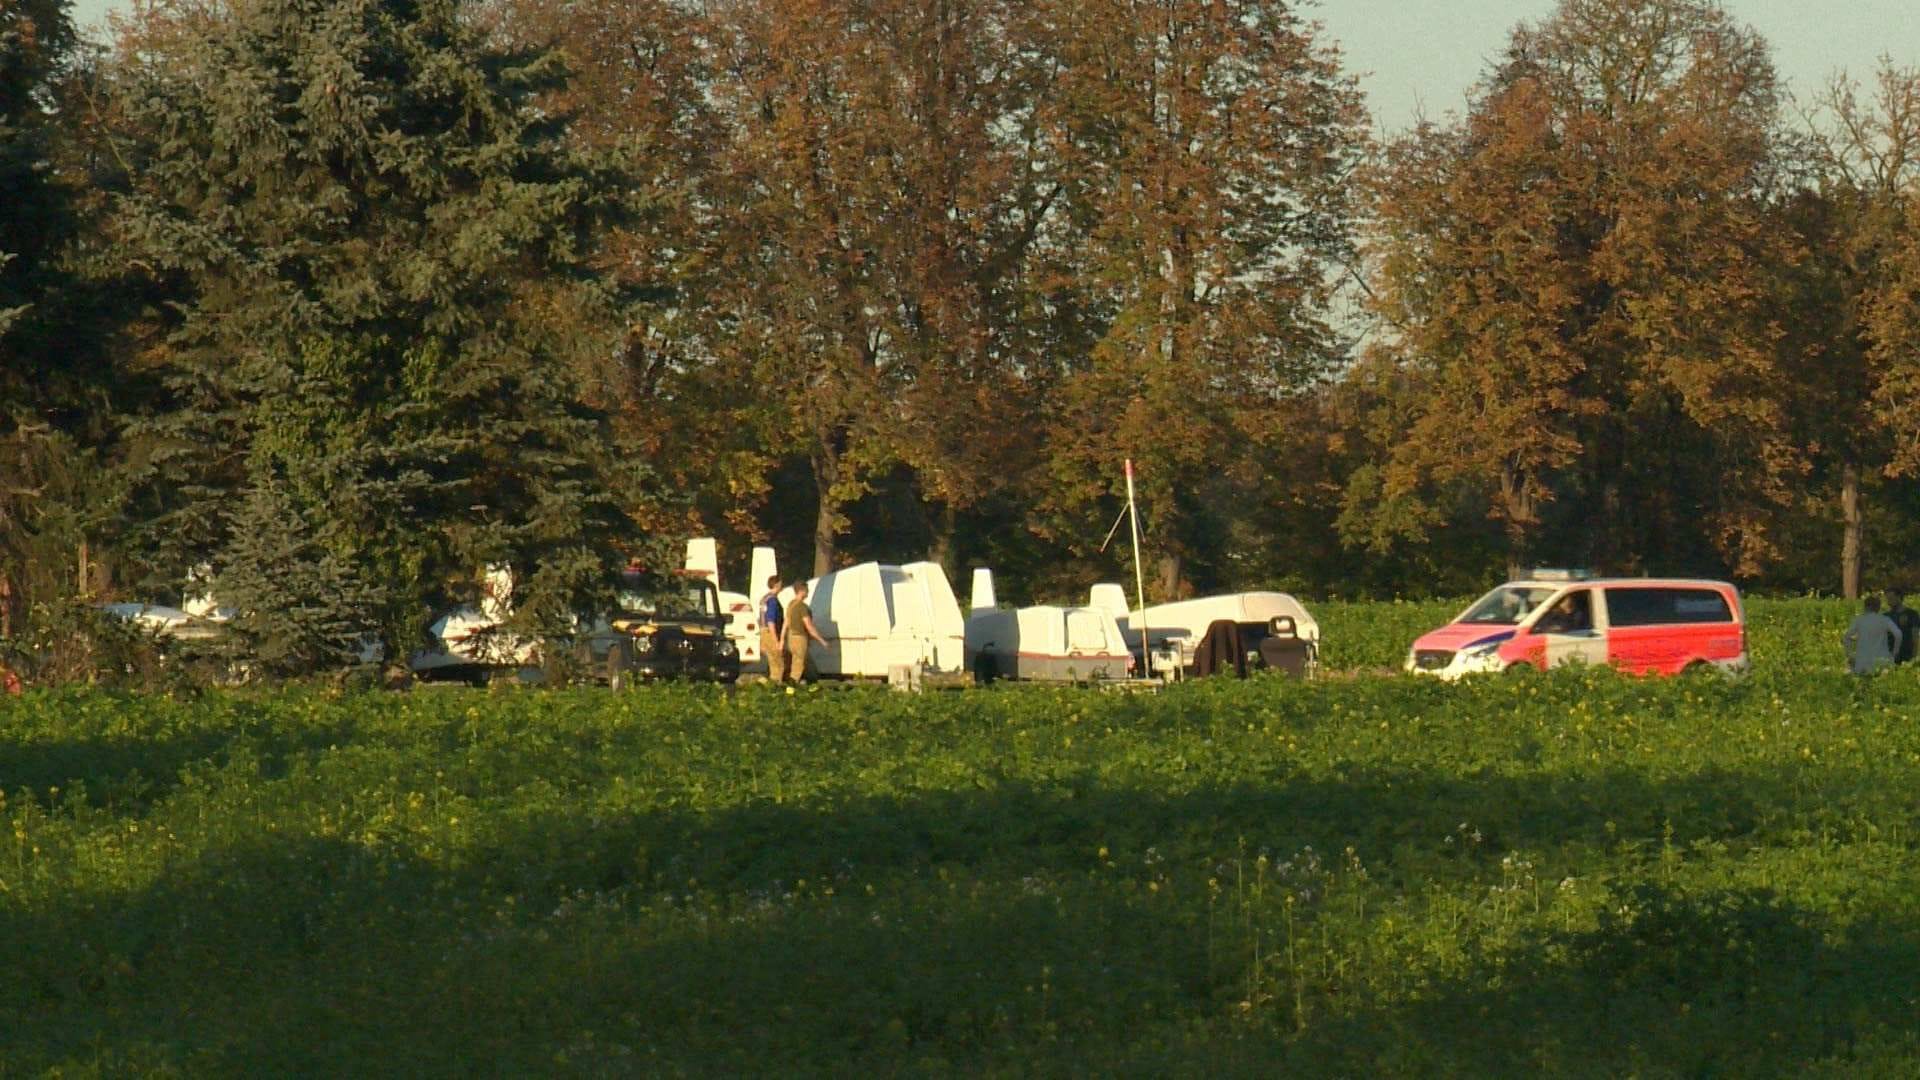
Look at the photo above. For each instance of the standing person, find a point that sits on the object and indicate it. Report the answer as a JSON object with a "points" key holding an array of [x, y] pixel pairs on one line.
{"points": [[799, 629], [773, 641], [1907, 621], [1871, 640]]}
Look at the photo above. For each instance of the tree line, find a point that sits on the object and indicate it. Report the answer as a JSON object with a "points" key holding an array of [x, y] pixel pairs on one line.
{"points": [[324, 305]]}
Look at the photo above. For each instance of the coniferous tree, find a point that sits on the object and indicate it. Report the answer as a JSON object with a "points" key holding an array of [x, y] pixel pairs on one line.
{"points": [[295, 600], [369, 229], [47, 477], [35, 39]]}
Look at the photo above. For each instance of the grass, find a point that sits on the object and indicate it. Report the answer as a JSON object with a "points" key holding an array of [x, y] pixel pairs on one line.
{"points": [[1573, 874]]}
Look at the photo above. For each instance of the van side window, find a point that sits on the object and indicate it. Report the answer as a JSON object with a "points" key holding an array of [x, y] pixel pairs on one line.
{"points": [[1571, 614], [1665, 607]]}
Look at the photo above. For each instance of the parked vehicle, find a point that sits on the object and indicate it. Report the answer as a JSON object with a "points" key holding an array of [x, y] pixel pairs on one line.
{"points": [[166, 622], [664, 626], [1648, 626], [1042, 643], [470, 644], [741, 608], [1269, 630], [467, 645], [878, 618]]}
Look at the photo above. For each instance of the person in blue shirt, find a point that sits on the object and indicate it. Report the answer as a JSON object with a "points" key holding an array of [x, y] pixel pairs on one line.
{"points": [[773, 642]]}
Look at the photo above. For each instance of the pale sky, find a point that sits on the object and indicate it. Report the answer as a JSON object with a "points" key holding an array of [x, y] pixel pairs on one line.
{"points": [[1418, 57], [1422, 55]]}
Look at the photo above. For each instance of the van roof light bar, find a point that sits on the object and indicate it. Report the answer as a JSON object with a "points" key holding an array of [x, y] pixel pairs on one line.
{"points": [[1561, 573]]}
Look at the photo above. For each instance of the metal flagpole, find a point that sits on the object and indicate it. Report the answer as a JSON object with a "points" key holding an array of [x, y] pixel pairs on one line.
{"points": [[1139, 578]]}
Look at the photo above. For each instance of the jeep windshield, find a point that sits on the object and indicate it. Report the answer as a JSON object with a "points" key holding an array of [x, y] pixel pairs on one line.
{"points": [[665, 596], [1507, 605]]}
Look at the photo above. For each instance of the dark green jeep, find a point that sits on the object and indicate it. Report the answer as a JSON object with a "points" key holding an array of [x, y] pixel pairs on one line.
{"points": [[663, 626]]}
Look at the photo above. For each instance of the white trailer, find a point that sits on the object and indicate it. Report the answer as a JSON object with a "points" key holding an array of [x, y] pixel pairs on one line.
{"points": [[1275, 629], [1043, 643], [877, 618]]}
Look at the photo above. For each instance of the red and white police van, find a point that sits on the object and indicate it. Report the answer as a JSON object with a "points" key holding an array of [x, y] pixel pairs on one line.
{"points": [[1645, 626]]}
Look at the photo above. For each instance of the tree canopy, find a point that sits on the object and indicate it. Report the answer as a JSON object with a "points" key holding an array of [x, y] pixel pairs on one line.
{"points": [[1577, 276], [336, 303]]}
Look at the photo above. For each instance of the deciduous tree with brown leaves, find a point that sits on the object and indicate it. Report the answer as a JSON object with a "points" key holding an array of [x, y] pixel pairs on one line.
{"points": [[1208, 147], [1854, 336], [1576, 272], [878, 197]]}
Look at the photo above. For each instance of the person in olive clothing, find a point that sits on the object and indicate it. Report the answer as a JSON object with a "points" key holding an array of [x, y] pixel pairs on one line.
{"points": [[800, 628], [1906, 620]]}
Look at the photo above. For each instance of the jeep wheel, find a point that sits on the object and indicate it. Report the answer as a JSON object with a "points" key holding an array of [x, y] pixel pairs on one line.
{"points": [[620, 665]]}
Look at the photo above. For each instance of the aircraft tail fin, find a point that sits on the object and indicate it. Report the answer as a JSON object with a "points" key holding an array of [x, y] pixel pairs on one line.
{"points": [[1109, 597], [762, 568], [983, 598], [703, 558]]}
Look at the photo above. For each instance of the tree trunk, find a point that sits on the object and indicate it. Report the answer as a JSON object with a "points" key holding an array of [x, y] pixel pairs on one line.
{"points": [[1517, 504], [1169, 577], [824, 522], [1517, 561], [1852, 554], [943, 524]]}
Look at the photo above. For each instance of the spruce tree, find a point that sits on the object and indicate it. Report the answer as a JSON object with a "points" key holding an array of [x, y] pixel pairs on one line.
{"points": [[50, 485], [36, 37], [369, 228], [296, 602]]}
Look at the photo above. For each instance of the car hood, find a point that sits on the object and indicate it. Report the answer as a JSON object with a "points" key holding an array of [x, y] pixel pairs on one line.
{"points": [[1455, 637], [652, 624]]}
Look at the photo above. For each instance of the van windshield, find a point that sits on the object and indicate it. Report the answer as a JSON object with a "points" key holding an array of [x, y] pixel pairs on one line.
{"points": [[1507, 605]]}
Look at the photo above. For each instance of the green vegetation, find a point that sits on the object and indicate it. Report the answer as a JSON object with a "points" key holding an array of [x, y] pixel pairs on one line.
{"points": [[1569, 875], [1360, 636]]}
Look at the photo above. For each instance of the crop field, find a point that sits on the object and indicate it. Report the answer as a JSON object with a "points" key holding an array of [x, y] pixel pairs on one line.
{"points": [[1575, 874]]}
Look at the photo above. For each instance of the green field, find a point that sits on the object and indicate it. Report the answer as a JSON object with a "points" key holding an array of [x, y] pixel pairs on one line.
{"points": [[1576, 874]]}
